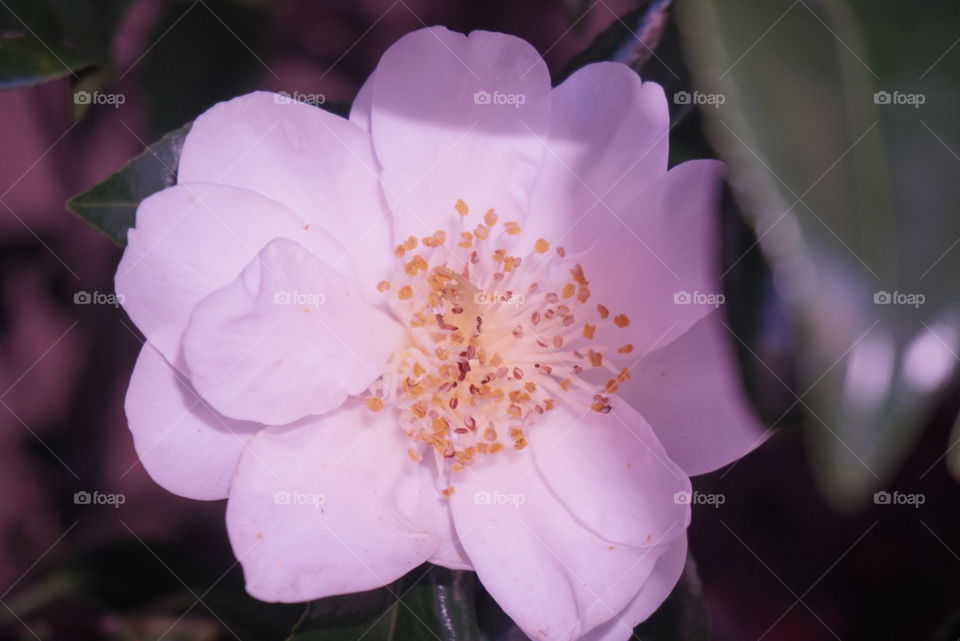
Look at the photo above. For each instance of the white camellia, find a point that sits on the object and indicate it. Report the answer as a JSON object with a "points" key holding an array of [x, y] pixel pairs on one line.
{"points": [[464, 326]]}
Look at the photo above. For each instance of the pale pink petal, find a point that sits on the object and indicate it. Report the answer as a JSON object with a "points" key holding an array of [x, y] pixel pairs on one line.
{"points": [[362, 104], [450, 552], [328, 506], [611, 472], [190, 240], [439, 143], [317, 164], [288, 338], [184, 445], [659, 585], [690, 391], [608, 140], [660, 266], [553, 576]]}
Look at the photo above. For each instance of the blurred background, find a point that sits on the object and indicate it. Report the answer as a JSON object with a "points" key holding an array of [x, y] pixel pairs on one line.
{"points": [[839, 122]]}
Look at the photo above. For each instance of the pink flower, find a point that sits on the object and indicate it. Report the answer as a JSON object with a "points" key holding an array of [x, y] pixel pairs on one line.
{"points": [[475, 324]]}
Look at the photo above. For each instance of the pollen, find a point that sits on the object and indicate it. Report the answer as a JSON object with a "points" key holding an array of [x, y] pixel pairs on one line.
{"points": [[495, 338], [448, 491], [511, 227]]}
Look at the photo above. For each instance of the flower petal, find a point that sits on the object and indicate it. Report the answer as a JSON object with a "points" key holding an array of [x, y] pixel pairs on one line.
{"points": [[663, 579], [690, 392], [363, 104], [317, 164], [288, 338], [608, 140], [554, 577], [328, 506], [612, 473], [183, 444], [190, 240], [666, 248], [439, 139]]}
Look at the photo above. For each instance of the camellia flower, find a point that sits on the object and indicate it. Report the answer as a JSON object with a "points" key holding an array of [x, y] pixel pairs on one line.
{"points": [[473, 324]]}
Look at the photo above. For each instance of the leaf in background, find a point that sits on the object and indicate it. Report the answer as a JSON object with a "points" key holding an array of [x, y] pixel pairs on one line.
{"points": [[438, 605], [793, 114], [122, 591], [43, 40], [111, 206], [202, 53]]}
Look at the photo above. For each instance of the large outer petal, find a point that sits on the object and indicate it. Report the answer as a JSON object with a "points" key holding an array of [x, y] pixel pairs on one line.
{"points": [[189, 241], [608, 140], [654, 592], [668, 246], [317, 164], [690, 391], [611, 472], [329, 506], [437, 145], [288, 338], [553, 576], [185, 446]]}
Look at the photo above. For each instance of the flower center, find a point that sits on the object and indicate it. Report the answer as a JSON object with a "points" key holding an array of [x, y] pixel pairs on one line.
{"points": [[496, 341]]}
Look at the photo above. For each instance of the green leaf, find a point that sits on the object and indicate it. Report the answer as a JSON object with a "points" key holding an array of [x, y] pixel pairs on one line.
{"points": [[42, 40], [811, 163], [204, 53], [438, 605], [25, 61], [111, 206]]}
